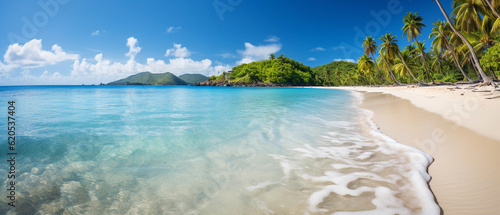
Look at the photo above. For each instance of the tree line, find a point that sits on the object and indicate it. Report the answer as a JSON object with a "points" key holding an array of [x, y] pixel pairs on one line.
{"points": [[463, 48]]}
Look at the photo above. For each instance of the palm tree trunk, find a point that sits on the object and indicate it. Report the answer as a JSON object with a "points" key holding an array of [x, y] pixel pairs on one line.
{"points": [[373, 79], [475, 69], [427, 68], [455, 59], [493, 75], [379, 72], [390, 73], [411, 73], [486, 78], [492, 8]]}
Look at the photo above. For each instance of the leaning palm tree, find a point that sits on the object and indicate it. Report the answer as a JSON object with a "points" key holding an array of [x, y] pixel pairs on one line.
{"points": [[482, 40], [404, 68], [366, 65], [370, 47], [420, 51], [411, 52], [436, 63], [383, 62], [441, 33], [390, 49], [491, 5], [486, 79], [485, 38], [413, 24]]}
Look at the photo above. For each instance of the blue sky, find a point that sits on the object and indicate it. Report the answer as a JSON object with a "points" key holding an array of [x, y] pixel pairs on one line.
{"points": [[88, 42]]}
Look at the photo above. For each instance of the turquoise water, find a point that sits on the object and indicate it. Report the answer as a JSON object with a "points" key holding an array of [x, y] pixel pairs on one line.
{"points": [[205, 150]]}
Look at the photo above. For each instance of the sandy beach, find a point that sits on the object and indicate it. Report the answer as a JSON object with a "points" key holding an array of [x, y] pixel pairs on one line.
{"points": [[458, 128]]}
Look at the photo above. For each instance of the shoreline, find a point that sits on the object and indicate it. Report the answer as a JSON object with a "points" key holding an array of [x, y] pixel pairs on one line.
{"points": [[449, 126]]}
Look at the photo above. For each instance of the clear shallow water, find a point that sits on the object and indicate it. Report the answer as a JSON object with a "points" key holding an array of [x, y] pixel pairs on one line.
{"points": [[204, 150]]}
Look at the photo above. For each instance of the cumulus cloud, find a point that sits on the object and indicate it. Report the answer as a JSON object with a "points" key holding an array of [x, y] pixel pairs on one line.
{"points": [[311, 59], [133, 48], [177, 51], [273, 39], [317, 49], [4, 69], [348, 60], [95, 33], [99, 69], [173, 29], [255, 53], [106, 71], [31, 55]]}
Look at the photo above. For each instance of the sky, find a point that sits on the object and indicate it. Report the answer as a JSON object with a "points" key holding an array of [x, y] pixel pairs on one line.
{"points": [[73, 42]]}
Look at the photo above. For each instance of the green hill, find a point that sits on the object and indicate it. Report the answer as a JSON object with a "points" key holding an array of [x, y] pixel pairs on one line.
{"points": [[148, 78], [193, 78], [281, 70]]}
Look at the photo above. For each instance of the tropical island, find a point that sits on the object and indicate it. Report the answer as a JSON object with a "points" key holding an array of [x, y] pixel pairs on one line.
{"points": [[148, 78]]}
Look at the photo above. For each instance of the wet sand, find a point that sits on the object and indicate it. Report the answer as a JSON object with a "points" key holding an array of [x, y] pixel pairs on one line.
{"points": [[465, 173]]}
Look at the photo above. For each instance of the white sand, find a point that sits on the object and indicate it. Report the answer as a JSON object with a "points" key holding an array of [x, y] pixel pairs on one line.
{"points": [[462, 106], [459, 128]]}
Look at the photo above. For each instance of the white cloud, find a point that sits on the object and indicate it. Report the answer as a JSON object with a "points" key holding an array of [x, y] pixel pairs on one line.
{"points": [[177, 51], [31, 55], [4, 70], [95, 33], [106, 71], [99, 69], [133, 48], [273, 39], [318, 49], [173, 29], [255, 53], [311, 59], [348, 60]]}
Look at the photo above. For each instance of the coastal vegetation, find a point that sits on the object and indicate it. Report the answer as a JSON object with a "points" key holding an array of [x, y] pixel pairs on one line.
{"points": [[279, 70], [463, 50]]}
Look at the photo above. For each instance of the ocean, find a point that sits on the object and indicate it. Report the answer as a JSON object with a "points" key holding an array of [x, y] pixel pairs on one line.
{"points": [[204, 150]]}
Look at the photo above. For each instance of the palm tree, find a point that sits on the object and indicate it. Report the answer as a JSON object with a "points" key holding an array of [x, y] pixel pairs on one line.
{"points": [[486, 79], [420, 50], [441, 32], [383, 62], [370, 47], [365, 65], [403, 68], [486, 38], [413, 24], [468, 15], [436, 63], [492, 8], [412, 27], [390, 50], [411, 54]]}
